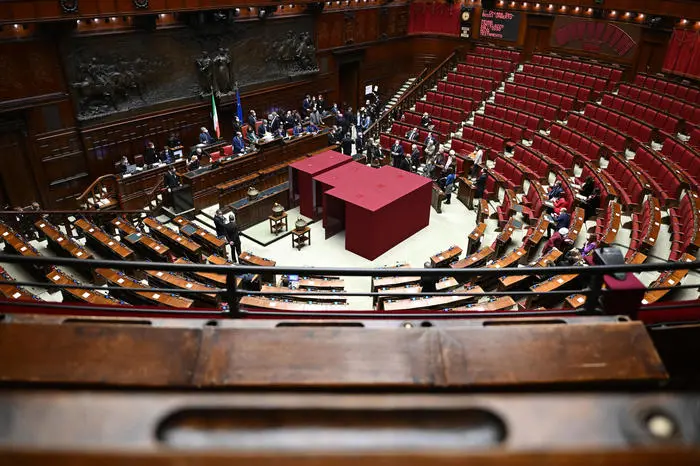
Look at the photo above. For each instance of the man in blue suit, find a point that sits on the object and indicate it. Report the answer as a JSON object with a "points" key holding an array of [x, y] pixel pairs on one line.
{"points": [[238, 144], [204, 137]]}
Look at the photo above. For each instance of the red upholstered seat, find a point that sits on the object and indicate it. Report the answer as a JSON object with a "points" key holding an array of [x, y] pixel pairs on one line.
{"points": [[228, 150], [214, 156]]}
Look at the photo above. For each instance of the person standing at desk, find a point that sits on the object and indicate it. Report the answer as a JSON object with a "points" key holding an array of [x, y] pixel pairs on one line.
{"points": [[481, 184], [233, 237], [405, 163], [252, 120], [236, 124], [275, 124], [238, 143], [171, 179], [347, 144], [149, 155], [205, 137]]}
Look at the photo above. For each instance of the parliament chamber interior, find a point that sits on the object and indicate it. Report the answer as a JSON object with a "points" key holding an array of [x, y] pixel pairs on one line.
{"points": [[363, 230]]}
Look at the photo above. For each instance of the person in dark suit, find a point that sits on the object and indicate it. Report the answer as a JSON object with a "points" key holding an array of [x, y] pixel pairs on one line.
{"points": [[556, 190], [592, 203], [561, 220], [238, 143], [252, 119], [236, 124], [149, 154], [405, 163], [220, 224], [204, 136], [481, 184], [124, 164], [306, 105], [374, 153], [275, 125], [428, 282], [587, 187], [233, 237], [262, 129], [171, 179], [347, 144], [396, 152], [412, 134], [173, 141], [193, 164], [349, 116], [415, 157], [425, 120], [429, 138]]}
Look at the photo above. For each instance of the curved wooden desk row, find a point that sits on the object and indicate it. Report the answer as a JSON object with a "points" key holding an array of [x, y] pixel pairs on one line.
{"points": [[16, 242], [175, 240], [13, 292], [442, 259], [61, 243], [513, 281], [81, 295], [131, 286], [149, 246], [199, 235], [103, 241], [666, 279], [433, 302]]}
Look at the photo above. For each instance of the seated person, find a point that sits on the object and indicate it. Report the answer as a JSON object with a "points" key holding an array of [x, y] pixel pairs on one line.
{"points": [[297, 130], [124, 165], [173, 141], [149, 154], [238, 143], [251, 136], [275, 124], [425, 121], [412, 134], [573, 257], [263, 130], [172, 180], [167, 155], [588, 248], [560, 204], [587, 187], [556, 190], [591, 204], [558, 240], [193, 164], [428, 282], [205, 137], [311, 128], [559, 220]]}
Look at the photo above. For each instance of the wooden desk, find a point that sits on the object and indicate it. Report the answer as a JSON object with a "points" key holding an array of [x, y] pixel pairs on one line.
{"points": [[174, 280], [145, 243], [576, 224], [484, 211], [321, 284], [393, 282], [509, 260], [432, 302], [446, 284], [131, 286], [301, 237], [294, 295], [192, 249], [203, 183], [256, 302], [667, 279], [13, 292], [465, 192], [214, 279], [194, 232], [475, 260], [278, 224], [60, 242], [474, 238], [504, 236], [553, 283], [379, 300], [649, 239], [100, 239], [16, 242], [534, 238], [444, 258], [80, 294], [511, 281], [498, 304], [613, 224], [134, 188], [248, 258], [436, 198]]}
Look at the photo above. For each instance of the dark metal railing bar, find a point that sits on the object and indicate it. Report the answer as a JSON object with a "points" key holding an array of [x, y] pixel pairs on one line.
{"points": [[110, 288], [102, 213], [436, 314], [371, 272], [676, 287], [194, 313]]}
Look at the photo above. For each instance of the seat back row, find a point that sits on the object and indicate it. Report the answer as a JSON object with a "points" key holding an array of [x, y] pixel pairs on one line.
{"points": [[587, 80], [681, 91], [509, 130], [665, 182], [607, 226], [536, 164], [512, 172], [684, 156], [695, 137], [561, 156], [495, 142], [607, 72], [564, 102], [400, 129], [532, 123], [637, 130], [480, 60], [458, 90], [576, 91], [606, 192], [548, 113], [656, 118], [481, 71], [487, 85], [453, 115], [495, 52], [645, 226], [686, 110], [581, 144], [630, 184], [536, 196], [611, 138], [449, 100], [441, 126], [685, 226]]}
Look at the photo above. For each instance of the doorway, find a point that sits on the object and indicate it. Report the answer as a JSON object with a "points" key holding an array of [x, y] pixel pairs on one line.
{"points": [[349, 80], [18, 187]]}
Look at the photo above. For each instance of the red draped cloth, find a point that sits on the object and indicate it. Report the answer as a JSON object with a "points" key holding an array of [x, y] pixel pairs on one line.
{"points": [[683, 54], [434, 18]]}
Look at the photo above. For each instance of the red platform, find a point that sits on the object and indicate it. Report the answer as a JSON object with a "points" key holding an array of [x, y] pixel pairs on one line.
{"points": [[378, 208], [301, 176]]}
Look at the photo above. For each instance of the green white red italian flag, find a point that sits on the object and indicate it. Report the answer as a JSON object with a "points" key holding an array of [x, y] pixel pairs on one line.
{"points": [[215, 117]]}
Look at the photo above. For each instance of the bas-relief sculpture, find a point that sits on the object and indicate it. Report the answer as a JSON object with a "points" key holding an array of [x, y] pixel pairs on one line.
{"points": [[112, 74]]}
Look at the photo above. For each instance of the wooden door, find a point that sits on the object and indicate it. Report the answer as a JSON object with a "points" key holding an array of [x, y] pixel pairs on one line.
{"points": [[349, 76], [18, 188]]}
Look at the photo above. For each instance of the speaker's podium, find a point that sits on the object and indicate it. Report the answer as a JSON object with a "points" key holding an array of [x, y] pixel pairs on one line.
{"points": [[181, 199]]}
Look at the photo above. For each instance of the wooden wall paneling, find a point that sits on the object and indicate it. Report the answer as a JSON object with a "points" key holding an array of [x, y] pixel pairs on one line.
{"points": [[16, 175], [651, 51], [537, 34], [29, 69], [329, 31]]}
